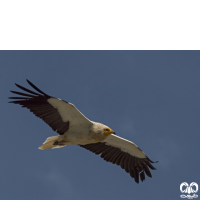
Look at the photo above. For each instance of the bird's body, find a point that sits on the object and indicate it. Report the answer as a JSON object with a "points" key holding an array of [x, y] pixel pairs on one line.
{"points": [[91, 133], [75, 129]]}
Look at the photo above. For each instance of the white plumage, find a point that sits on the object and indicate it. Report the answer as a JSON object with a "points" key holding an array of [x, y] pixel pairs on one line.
{"points": [[75, 129]]}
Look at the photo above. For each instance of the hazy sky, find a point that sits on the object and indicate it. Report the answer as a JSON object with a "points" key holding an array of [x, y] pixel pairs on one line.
{"points": [[149, 97]]}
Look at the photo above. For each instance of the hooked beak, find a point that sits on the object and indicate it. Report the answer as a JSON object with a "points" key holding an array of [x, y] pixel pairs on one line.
{"points": [[112, 132]]}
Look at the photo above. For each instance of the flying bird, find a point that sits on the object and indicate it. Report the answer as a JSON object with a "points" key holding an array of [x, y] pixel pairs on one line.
{"points": [[75, 129]]}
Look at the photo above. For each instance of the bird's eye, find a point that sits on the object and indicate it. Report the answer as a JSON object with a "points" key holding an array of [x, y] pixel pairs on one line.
{"points": [[107, 129]]}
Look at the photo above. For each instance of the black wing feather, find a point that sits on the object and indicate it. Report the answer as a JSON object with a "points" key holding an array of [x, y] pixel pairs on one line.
{"points": [[37, 103], [132, 165]]}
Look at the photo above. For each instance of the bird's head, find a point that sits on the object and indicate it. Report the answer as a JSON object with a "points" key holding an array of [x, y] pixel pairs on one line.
{"points": [[100, 131], [108, 131]]}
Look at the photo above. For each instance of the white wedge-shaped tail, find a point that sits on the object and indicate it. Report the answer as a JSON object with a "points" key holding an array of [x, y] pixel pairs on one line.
{"points": [[52, 142]]}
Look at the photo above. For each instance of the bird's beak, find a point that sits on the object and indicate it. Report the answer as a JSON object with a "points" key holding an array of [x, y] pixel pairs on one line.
{"points": [[112, 132], [108, 132]]}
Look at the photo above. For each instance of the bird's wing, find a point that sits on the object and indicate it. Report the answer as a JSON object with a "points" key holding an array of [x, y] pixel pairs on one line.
{"points": [[125, 153], [58, 114]]}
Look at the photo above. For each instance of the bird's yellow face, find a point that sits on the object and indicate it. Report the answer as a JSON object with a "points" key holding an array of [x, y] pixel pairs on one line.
{"points": [[108, 131]]}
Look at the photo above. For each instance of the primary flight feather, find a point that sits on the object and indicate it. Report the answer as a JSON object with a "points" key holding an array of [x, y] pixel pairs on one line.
{"points": [[75, 129]]}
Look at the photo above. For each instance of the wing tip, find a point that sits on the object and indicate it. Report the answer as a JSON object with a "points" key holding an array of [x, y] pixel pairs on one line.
{"points": [[151, 160], [28, 81]]}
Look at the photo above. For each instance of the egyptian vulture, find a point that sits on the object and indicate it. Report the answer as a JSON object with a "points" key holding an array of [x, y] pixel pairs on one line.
{"points": [[75, 129]]}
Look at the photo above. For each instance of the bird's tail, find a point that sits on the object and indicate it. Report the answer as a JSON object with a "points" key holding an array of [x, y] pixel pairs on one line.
{"points": [[53, 142]]}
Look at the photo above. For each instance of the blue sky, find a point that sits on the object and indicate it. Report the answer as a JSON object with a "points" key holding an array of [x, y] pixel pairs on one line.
{"points": [[149, 97]]}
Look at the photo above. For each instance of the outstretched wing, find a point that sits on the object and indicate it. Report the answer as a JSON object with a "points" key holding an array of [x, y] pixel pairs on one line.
{"points": [[58, 114], [125, 153]]}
